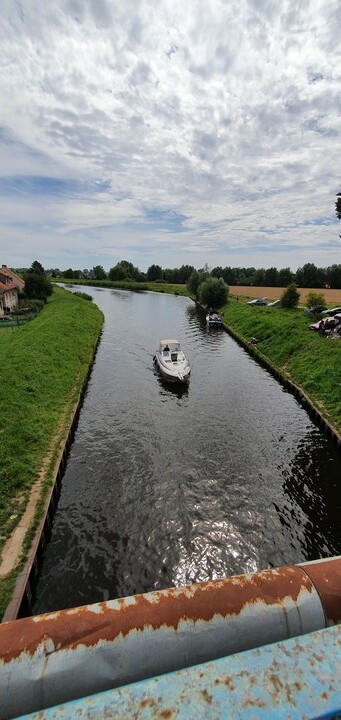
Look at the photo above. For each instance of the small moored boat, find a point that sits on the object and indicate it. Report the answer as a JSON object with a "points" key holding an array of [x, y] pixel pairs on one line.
{"points": [[213, 319], [171, 361]]}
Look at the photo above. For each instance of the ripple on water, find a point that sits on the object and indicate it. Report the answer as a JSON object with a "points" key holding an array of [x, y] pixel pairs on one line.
{"points": [[170, 485]]}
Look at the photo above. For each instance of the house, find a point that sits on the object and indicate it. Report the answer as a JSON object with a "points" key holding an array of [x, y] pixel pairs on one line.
{"points": [[10, 284], [18, 281]]}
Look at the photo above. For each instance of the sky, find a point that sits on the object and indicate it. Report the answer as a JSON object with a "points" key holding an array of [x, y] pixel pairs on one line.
{"points": [[170, 132]]}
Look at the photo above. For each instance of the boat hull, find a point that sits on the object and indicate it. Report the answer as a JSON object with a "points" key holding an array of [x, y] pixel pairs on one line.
{"points": [[180, 374]]}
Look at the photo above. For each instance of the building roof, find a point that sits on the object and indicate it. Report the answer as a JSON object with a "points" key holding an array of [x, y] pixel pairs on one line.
{"points": [[7, 287], [4, 270]]}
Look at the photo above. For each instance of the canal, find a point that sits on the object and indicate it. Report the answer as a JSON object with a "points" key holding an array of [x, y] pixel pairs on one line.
{"points": [[166, 486]]}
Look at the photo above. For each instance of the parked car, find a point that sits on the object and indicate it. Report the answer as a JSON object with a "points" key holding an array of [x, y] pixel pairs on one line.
{"points": [[315, 310], [332, 311], [257, 301], [275, 303]]}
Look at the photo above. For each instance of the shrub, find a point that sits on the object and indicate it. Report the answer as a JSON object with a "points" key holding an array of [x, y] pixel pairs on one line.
{"points": [[290, 296], [83, 295], [213, 291], [315, 300]]}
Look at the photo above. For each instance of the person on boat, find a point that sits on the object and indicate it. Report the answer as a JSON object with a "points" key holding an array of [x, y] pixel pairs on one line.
{"points": [[166, 349]]}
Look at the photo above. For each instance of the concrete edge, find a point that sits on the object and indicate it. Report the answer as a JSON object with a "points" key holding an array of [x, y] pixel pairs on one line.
{"points": [[296, 390]]}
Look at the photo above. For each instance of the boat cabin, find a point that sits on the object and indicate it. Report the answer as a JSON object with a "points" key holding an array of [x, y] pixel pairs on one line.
{"points": [[169, 349]]}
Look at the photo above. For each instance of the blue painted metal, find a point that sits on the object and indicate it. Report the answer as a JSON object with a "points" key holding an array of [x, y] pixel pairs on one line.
{"points": [[294, 679]]}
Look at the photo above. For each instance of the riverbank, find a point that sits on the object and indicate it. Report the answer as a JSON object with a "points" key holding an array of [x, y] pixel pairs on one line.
{"points": [[172, 289], [305, 358], [43, 369]]}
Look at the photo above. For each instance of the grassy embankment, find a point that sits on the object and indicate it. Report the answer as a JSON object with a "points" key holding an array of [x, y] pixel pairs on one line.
{"points": [[310, 361], [306, 358], [43, 367], [129, 285]]}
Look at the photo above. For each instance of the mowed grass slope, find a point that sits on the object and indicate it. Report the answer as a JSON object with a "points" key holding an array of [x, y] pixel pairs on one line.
{"points": [[309, 360], [42, 368]]}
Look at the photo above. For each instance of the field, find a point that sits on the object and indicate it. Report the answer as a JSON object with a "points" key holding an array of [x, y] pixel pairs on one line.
{"points": [[332, 297]]}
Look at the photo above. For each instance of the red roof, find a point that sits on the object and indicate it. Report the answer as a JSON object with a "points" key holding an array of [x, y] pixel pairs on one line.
{"points": [[4, 270], [6, 287]]}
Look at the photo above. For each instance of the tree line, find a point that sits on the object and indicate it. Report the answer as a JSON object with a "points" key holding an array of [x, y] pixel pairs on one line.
{"points": [[307, 276]]}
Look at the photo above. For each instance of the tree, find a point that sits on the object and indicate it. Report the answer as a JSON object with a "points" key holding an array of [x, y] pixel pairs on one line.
{"points": [[285, 277], [37, 286], [125, 270], [36, 268], [68, 274], [338, 206], [333, 276], [213, 292], [193, 283], [309, 276], [258, 278], [154, 272], [98, 273], [290, 297], [271, 277]]}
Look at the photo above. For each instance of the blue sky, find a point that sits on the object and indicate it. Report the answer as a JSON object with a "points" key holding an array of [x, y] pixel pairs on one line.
{"points": [[170, 132]]}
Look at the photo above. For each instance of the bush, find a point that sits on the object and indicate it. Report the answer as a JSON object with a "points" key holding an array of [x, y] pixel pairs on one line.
{"points": [[83, 295], [315, 300], [213, 292], [37, 286], [290, 296]]}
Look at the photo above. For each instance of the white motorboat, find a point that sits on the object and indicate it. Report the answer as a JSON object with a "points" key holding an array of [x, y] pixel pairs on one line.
{"points": [[213, 319], [172, 362]]}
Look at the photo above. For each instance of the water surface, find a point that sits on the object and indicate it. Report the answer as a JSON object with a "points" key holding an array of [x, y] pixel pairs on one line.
{"points": [[165, 485]]}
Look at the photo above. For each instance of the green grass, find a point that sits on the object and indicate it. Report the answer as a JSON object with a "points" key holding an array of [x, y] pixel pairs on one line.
{"points": [[43, 365], [129, 285], [309, 360]]}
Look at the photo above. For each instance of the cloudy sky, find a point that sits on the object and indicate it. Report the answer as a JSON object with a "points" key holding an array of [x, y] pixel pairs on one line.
{"points": [[170, 132]]}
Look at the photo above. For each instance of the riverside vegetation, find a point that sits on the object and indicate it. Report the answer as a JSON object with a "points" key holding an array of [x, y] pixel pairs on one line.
{"points": [[306, 358], [43, 368]]}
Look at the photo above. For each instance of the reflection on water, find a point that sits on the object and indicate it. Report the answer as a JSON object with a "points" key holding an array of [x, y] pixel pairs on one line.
{"points": [[168, 484]]}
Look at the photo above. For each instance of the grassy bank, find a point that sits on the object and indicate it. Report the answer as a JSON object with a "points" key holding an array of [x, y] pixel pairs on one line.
{"points": [[43, 367], [309, 360], [129, 285]]}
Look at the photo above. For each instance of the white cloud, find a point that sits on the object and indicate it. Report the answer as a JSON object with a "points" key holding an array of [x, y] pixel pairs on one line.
{"points": [[227, 115]]}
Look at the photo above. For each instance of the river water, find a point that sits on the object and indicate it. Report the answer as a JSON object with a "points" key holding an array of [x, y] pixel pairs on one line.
{"points": [[166, 486]]}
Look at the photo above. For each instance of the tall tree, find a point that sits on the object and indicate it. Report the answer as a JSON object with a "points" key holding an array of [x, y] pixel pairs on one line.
{"points": [[125, 270], [98, 272], [285, 277], [338, 206], [333, 276], [37, 268], [37, 286], [310, 276], [154, 272]]}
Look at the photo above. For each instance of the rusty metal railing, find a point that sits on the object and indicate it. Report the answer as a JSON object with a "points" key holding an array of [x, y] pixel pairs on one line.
{"points": [[50, 659]]}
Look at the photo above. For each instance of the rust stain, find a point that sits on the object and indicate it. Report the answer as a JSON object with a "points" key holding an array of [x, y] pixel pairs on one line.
{"points": [[229, 684], [147, 702], [166, 714], [207, 697], [200, 602], [326, 577]]}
